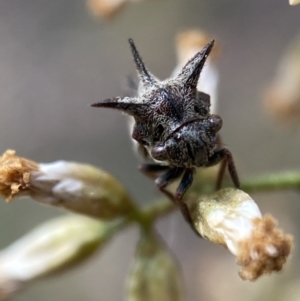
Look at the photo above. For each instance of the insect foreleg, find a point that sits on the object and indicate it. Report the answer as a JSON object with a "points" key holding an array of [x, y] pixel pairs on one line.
{"points": [[185, 183], [151, 170], [225, 155], [171, 175]]}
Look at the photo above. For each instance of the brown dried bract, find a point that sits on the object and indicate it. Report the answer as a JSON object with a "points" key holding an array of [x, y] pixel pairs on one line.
{"points": [[265, 251], [14, 174]]}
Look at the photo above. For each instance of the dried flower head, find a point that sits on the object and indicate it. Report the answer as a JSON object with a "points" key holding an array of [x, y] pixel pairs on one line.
{"points": [[231, 218], [73, 186], [14, 174], [266, 251]]}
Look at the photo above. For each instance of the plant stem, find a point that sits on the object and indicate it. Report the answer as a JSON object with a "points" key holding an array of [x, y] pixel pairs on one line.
{"points": [[145, 216], [289, 180]]}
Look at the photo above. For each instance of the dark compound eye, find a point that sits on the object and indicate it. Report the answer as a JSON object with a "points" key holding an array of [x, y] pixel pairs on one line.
{"points": [[215, 122], [200, 110]]}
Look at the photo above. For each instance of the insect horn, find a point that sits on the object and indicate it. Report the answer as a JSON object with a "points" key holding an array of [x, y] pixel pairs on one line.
{"points": [[190, 73], [126, 104], [145, 77]]}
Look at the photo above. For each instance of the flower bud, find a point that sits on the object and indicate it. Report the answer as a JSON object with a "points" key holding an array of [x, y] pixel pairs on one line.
{"points": [[51, 248], [231, 218], [154, 274], [73, 186]]}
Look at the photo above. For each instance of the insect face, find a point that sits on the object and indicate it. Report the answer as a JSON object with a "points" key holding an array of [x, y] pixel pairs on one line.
{"points": [[190, 144]]}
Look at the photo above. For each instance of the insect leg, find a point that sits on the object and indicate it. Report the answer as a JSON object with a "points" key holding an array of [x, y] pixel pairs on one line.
{"points": [[151, 170], [171, 175], [221, 174], [225, 155], [185, 183]]}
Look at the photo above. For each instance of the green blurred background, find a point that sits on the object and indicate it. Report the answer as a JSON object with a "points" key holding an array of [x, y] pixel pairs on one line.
{"points": [[55, 60]]}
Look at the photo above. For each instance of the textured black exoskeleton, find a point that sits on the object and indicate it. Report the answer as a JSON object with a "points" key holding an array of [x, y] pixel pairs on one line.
{"points": [[174, 126]]}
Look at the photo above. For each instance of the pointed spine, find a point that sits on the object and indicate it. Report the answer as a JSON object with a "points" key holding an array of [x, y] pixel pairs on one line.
{"points": [[190, 73], [145, 76], [126, 104]]}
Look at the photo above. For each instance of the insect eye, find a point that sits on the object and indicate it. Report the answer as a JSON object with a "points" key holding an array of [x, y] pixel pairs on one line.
{"points": [[200, 110]]}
